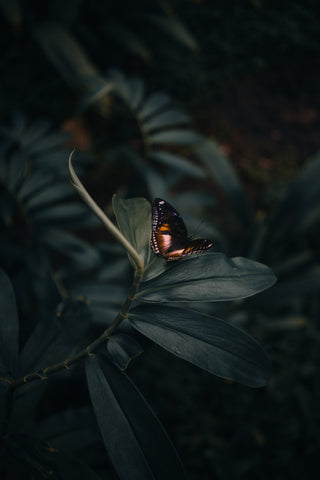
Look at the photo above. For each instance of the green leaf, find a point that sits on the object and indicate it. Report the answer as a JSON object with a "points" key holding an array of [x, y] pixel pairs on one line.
{"points": [[223, 172], [33, 133], [84, 255], [192, 201], [134, 221], [50, 141], [130, 40], [167, 118], [177, 162], [137, 91], [153, 104], [154, 268], [176, 137], [65, 53], [9, 326], [205, 341], [98, 88], [122, 349], [34, 183], [101, 294], [16, 169], [299, 208], [71, 213], [121, 83], [52, 194], [176, 29], [113, 267], [131, 432], [155, 182], [210, 277]]}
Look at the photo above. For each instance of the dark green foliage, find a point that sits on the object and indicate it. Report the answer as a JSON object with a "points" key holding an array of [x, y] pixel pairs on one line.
{"points": [[210, 278], [56, 336], [9, 339], [28, 458], [130, 430], [38, 209], [122, 349], [205, 341], [69, 304]]}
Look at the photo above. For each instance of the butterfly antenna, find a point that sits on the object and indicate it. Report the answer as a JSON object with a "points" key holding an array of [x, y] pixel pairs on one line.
{"points": [[200, 228]]}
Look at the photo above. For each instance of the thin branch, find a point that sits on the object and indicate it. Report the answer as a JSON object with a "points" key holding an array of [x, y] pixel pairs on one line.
{"points": [[43, 374], [104, 219]]}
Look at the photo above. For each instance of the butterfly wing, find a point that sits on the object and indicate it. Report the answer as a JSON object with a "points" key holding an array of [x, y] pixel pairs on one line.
{"points": [[169, 234], [168, 229], [195, 246]]}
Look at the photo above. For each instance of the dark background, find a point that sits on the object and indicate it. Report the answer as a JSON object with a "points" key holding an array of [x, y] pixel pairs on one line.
{"points": [[251, 84]]}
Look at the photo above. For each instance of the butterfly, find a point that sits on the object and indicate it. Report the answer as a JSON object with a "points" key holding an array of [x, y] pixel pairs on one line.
{"points": [[169, 234]]}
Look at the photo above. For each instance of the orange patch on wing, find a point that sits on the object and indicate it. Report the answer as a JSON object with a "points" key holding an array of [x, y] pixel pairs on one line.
{"points": [[164, 228]]}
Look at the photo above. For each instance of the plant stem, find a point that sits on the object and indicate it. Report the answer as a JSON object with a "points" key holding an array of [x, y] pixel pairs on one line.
{"points": [[65, 364], [115, 232], [92, 347]]}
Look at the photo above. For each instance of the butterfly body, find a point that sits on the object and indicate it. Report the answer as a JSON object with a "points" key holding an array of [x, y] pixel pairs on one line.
{"points": [[169, 234]]}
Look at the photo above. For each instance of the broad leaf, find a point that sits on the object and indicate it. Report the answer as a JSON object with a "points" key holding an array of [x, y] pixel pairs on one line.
{"points": [[299, 208], [175, 161], [136, 442], [54, 193], [49, 142], [152, 104], [35, 183], [156, 183], [168, 118], [134, 221], [174, 27], [9, 326], [205, 341], [137, 91], [154, 268], [122, 349], [175, 137], [129, 39], [223, 172], [65, 53], [210, 277], [71, 213], [83, 255], [15, 171]]}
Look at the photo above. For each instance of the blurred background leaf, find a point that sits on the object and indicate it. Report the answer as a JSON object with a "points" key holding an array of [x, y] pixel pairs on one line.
{"points": [[9, 327], [129, 425], [229, 91]]}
